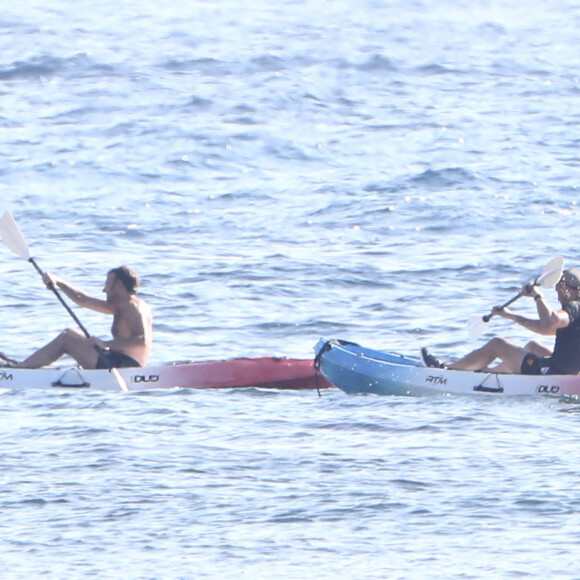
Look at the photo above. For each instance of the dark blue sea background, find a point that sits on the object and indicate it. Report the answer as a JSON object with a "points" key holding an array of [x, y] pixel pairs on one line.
{"points": [[377, 171]]}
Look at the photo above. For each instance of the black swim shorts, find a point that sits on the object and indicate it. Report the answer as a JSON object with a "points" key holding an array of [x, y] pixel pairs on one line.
{"points": [[535, 365], [109, 359]]}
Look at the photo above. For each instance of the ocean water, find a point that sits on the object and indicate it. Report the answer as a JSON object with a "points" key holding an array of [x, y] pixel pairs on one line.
{"points": [[276, 172]]}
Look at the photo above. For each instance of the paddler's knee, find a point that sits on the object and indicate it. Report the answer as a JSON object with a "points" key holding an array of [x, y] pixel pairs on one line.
{"points": [[70, 334]]}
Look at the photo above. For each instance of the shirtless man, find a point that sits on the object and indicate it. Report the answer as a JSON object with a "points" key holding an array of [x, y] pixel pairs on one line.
{"points": [[131, 330]]}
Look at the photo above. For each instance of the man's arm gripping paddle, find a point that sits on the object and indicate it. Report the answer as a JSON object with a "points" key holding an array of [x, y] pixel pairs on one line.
{"points": [[549, 277], [14, 241]]}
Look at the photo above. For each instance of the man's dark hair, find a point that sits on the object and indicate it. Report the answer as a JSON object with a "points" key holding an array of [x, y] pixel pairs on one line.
{"points": [[128, 277]]}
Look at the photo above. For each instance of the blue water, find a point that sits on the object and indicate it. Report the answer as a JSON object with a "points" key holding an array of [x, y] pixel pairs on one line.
{"points": [[377, 172]]}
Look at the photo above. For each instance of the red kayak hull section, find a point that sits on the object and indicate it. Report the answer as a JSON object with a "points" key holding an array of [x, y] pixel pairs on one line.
{"points": [[261, 372]]}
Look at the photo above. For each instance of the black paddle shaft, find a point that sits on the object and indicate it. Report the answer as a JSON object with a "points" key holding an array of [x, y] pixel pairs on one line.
{"points": [[488, 317], [61, 299]]}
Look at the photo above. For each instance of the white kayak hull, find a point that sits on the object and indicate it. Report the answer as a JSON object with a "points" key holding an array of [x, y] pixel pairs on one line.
{"points": [[263, 372], [356, 369]]}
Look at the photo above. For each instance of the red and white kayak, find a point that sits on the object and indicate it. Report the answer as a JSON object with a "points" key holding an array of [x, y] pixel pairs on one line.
{"points": [[262, 372]]}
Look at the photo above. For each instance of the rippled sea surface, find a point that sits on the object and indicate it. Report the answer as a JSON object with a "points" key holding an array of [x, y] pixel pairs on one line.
{"points": [[377, 172]]}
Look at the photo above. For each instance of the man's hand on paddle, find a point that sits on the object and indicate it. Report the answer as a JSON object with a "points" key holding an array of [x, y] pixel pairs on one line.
{"points": [[528, 290], [502, 311], [50, 280]]}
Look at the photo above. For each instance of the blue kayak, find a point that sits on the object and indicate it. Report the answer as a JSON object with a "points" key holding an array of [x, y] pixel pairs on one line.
{"points": [[356, 369]]}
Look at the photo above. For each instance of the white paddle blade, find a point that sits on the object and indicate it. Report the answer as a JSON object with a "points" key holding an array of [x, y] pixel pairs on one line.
{"points": [[12, 237], [551, 274], [476, 327]]}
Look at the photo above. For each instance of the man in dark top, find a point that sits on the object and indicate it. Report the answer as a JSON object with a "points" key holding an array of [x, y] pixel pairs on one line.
{"points": [[534, 358]]}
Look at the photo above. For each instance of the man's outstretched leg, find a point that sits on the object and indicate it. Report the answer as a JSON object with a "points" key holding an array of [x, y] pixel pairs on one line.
{"points": [[70, 342], [509, 353]]}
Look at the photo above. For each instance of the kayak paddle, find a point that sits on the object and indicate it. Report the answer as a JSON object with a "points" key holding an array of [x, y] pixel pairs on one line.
{"points": [[14, 240], [549, 277]]}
